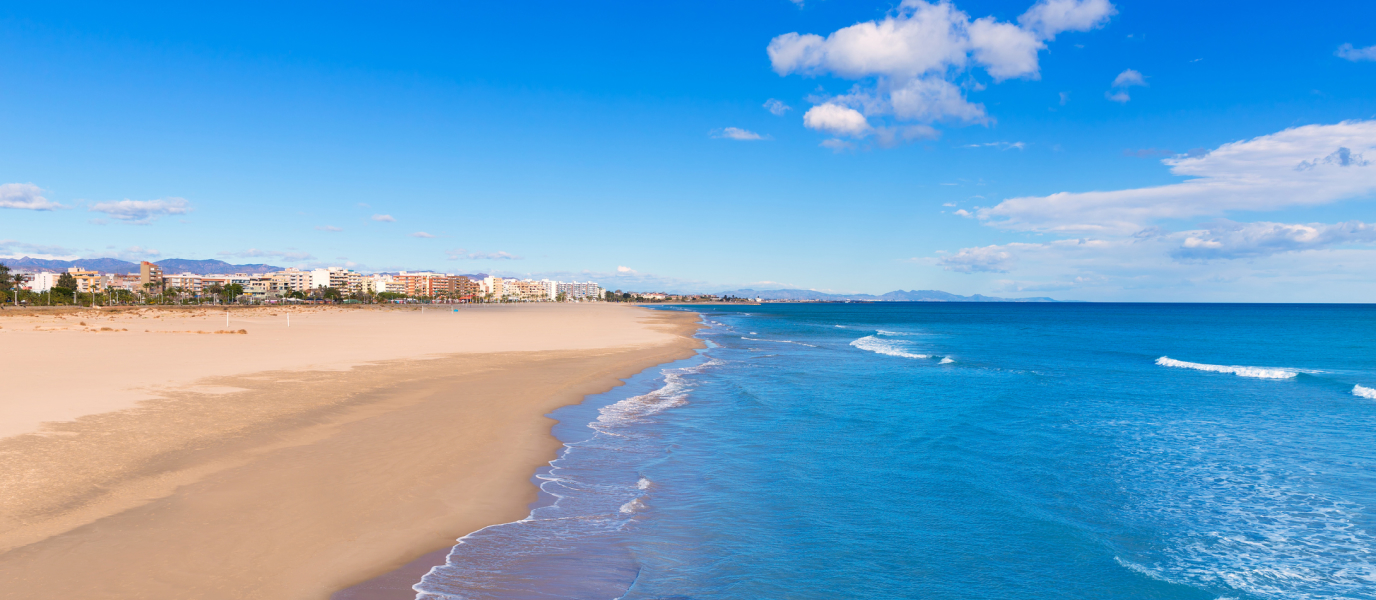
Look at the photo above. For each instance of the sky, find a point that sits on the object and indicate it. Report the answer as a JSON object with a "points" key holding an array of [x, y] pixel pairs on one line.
{"points": [[1124, 150]]}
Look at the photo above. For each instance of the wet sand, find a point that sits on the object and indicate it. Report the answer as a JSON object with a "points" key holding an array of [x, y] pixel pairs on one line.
{"points": [[299, 482]]}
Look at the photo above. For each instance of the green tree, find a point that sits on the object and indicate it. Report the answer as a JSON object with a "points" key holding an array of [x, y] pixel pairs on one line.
{"points": [[233, 291], [330, 293], [66, 280]]}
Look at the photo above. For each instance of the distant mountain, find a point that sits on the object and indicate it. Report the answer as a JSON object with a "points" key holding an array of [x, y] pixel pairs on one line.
{"points": [[170, 266], [104, 265], [897, 296]]}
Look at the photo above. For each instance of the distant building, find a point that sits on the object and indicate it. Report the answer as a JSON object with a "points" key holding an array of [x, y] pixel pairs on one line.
{"points": [[42, 282], [579, 291], [149, 273], [186, 282]]}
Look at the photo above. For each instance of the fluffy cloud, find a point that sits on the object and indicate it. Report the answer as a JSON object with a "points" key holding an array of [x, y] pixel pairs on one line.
{"points": [[1309, 165], [1128, 78], [1122, 249], [736, 133], [1226, 261], [1225, 239], [142, 212], [989, 259], [25, 196], [421, 234], [383, 218], [622, 269], [913, 55], [1050, 17], [776, 107], [1356, 54], [461, 254], [330, 228], [836, 120]]}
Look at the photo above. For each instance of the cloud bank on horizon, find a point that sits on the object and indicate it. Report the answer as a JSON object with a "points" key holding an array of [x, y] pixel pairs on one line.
{"points": [[1120, 233]]}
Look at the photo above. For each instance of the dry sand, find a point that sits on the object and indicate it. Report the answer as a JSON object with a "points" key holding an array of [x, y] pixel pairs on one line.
{"points": [[284, 462]]}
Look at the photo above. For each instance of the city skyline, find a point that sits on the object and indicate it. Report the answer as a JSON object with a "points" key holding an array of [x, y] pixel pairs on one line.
{"points": [[1087, 150]]}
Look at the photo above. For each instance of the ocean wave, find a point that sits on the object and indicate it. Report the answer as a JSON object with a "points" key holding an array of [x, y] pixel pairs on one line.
{"points": [[946, 361], [884, 332], [1364, 392], [777, 341], [874, 344], [1259, 372]]}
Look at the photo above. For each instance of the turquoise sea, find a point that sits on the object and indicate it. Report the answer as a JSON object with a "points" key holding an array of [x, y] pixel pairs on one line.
{"points": [[964, 451]]}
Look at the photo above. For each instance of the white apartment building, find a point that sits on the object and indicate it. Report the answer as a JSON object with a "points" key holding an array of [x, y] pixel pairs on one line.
{"points": [[41, 282], [292, 280], [579, 290], [492, 286]]}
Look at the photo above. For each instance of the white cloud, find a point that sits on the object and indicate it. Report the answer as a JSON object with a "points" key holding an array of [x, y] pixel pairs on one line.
{"points": [[421, 234], [889, 137], [1356, 54], [776, 107], [461, 254], [256, 253], [1225, 239], [914, 54], [142, 211], [383, 218], [1000, 145], [1302, 166], [1119, 97], [836, 120], [736, 133], [989, 259], [964, 213], [1050, 17], [25, 196], [18, 249], [1065, 97], [1129, 78], [327, 228], [621, 269]]}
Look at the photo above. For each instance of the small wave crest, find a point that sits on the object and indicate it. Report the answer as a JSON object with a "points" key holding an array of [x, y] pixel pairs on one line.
{"points": [[1364, 392], [1259, 372], [777, 341], [946, 361], [879, 346]]}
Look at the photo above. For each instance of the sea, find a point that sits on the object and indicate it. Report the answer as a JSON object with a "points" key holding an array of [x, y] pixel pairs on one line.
{"points": [[1012, 451]]}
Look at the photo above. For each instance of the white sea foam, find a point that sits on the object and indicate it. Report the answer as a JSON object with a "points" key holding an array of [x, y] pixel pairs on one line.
{"points": [[946, 361], [1364, 392], [777, 341], [643, 484], [1260, 372], [874, 344], [632, 506], [883, 332]]}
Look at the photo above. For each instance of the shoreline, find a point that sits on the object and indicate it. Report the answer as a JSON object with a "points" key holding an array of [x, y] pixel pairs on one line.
{"points": [[397, 460]]}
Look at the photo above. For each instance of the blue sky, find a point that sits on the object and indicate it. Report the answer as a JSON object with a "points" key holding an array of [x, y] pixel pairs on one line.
{"points": [[923, 146]]}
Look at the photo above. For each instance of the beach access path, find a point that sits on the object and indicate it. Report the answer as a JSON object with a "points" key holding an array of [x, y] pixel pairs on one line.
{"points": [[146, 456]]}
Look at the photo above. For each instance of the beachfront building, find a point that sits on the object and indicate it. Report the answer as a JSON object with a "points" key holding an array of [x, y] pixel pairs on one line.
{"points": [[186, 282], [149, 273], [345, 280], [492, 286], [291, 280], [41, 282], [528, 290], [574, 290], [87, 281]]}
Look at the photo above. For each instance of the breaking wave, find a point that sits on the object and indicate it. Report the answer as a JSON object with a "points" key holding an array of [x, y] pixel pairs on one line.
{"points": [[874, 344], [777, 341], [1364, 392], [1259, 372]]}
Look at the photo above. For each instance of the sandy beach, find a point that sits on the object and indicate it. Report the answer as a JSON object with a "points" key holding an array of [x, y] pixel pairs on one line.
{"points": [[165, 454]]}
